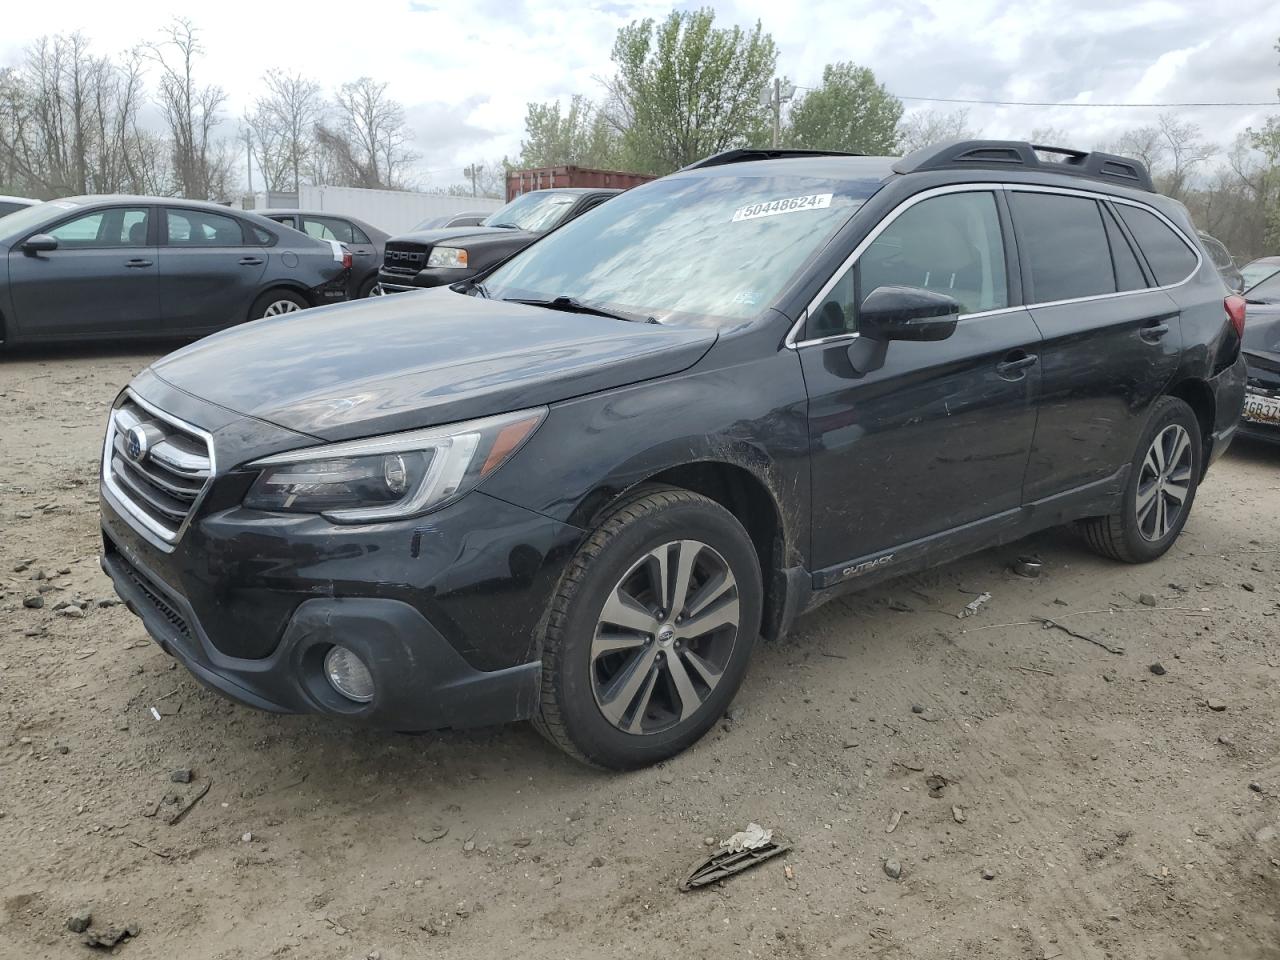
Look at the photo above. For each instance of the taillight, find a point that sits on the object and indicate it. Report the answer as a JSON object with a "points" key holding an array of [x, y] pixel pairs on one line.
{"points": [[1235, 310], [346, 264]]}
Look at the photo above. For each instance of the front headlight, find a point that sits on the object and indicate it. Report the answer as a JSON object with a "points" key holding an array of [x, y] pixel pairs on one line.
{"points": [[447, 257], [387, 478]]}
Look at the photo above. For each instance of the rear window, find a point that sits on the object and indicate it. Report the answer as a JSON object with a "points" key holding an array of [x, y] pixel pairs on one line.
{"points": [[1171, 260], [1065, 244]]}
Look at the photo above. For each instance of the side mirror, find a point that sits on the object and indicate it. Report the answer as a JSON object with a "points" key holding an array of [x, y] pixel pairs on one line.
{"points": [[39, 243], [907, 313]]}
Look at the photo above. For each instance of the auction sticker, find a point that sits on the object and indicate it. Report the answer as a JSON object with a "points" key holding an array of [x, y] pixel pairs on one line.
{"points": [[771, 208]]}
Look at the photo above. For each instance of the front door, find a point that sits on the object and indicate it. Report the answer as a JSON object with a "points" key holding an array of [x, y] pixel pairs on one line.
{"points": [[938, 436], [100, 281], [209, 274]]}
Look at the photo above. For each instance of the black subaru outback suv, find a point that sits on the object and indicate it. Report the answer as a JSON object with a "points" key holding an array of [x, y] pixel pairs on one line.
{"points": [[579, 488]]}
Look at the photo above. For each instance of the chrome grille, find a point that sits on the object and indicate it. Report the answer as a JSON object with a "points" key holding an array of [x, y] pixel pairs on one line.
{"points": [[160, 487]]}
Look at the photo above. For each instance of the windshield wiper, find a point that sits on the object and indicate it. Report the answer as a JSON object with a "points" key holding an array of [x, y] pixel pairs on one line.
{"points": [[506, 226], [570, 305]]}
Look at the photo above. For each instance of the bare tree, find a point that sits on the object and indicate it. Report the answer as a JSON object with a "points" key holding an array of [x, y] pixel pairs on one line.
{"points": [[283, 125], [365, 144], [191, 113], [924, 127]]}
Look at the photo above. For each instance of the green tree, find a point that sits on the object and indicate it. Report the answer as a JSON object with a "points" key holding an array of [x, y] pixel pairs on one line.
{"points": [[580, 136], [850, 111], [686, 89]]}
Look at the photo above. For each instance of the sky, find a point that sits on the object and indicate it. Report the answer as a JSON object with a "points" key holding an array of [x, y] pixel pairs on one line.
{"points": [[465, 69]]}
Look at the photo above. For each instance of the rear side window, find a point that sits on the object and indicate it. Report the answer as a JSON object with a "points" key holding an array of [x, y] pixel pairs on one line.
{"points": [[326, 228], [1170, 258], [1128, 274], [1065, 243], [199, 228]]}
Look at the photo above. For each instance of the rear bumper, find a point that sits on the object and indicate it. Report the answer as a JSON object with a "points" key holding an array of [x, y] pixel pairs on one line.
{"points": [[421, 682]]}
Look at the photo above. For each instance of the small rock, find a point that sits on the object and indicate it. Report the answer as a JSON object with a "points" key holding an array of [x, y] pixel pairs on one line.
{"points": [[1147, 599], [709, 841], [468, 846], [957, 815], [108, 602], [917, 708], [1247, 586], [1226, 741], [79, 921], [1158, 669], [33, 602], [851, 744], [988, 874], [1217, 706], [63, 571], [246, 837], [39, 575], [63, 749], [596, 862], [21, 568], [892, 869], [374, 955], [1266, 834], [736, 714], [181, 775], [1255, 786], [1109, 677]]}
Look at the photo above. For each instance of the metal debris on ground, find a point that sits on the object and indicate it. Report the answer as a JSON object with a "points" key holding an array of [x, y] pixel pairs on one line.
{"points": [[1028, 567], [745, 849], [1048, 622], [973, 606], [195, 798]]}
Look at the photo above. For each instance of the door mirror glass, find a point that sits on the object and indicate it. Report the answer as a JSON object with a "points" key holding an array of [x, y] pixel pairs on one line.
{"points": [[40, 243], [908, 313]]}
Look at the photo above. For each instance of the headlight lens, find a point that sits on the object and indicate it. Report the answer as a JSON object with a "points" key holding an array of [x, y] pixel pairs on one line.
{"points": [[447, 257], [386, 478]]}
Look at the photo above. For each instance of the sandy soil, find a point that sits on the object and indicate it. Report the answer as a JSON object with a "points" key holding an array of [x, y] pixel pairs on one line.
{"points": [[1111, 807]]}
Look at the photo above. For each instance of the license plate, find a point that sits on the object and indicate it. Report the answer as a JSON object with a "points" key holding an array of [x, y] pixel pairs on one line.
{"points": [[1261, 409]]}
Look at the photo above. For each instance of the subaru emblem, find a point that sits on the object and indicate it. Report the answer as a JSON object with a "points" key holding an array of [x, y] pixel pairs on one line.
{"points": [[137, 444]]}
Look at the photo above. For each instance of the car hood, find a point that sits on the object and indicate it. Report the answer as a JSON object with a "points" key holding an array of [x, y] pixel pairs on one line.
{"points": [[419, 359], [429, 238], [1262, 327]]}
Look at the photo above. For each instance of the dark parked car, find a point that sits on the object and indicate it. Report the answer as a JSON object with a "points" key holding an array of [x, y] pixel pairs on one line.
{"points": [[105, 267], [579, 488], [456, 220], [1258, 270], [10, 205], [1262, 353], [433, 258], [365, 241], [1223, 261]]}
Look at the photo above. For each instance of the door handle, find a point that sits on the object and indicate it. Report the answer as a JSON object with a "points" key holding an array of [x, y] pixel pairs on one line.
{"points": [[137, 262], [1012, 368], [250, 261], [1153, 332]]}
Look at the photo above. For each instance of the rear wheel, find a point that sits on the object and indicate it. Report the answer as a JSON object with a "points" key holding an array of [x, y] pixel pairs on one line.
{"points": [[651, 632], [366, 288], [276, 303], [1161, 489]]}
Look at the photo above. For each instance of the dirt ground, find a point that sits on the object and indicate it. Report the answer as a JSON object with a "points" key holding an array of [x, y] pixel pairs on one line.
{"points": [[1117, 812]]}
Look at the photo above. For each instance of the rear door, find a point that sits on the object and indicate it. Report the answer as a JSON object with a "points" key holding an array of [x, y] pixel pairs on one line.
{"points": [[210, 270], [1111, 336], [101, 280], [364, 256], [937, 437]]}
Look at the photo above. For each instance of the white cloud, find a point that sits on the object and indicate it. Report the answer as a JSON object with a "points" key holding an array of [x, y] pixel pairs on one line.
{"points": [[465, 69]]}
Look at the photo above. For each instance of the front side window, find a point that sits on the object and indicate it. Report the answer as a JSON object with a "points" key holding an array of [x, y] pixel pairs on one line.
{"points": [[199, 228], [1171, 260], [104, 228], [1065, 245], [950, 244], [687, 249]]}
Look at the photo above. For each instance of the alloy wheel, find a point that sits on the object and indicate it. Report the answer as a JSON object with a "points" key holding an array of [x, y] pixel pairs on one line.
{"points": [[280, 307], [1164, 482], [664, 637]]}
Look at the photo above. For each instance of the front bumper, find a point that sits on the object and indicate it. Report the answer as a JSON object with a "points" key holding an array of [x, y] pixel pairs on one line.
{"points": [[423, 279], [1264, 382]]}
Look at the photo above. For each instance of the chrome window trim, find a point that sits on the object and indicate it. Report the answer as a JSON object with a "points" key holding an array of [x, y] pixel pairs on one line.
{"points": [[792, 344], [122, 500]]}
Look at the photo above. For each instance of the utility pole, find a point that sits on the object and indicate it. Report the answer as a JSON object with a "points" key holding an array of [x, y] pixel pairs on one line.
{"points": [[777, 111], [473, 172], [248, 156]]}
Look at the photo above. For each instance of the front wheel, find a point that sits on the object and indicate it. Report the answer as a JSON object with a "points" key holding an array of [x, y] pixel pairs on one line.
{"points": [[1162, 486], [651, 632]]}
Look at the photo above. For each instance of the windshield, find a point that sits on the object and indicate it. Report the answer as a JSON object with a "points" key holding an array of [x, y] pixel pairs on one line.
{"points": [[28, 218], [1267, 290], [711, 247], [536, 212], [1258, 271]]}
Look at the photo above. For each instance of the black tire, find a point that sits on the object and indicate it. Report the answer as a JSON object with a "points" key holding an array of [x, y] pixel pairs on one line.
{"points": [[272, 297], [1120, 535], [366, 288], [651, 519]]}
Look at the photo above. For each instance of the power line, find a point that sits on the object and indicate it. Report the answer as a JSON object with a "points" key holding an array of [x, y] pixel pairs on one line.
{"points": [[1051, 103]]}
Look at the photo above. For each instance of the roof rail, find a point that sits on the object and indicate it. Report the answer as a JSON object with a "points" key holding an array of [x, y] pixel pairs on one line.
{"points": [[1000, 154], [744, 154]]}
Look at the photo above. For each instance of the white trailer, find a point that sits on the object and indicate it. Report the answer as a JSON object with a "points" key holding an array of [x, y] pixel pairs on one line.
{"points": [[395, 211]]}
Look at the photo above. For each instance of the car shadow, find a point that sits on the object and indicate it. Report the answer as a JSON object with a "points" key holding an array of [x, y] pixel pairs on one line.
{"points": [[93, 350]]}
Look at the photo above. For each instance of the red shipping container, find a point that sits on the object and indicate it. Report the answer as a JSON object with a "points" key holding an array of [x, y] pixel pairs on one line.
{"points": [[545, 178]]}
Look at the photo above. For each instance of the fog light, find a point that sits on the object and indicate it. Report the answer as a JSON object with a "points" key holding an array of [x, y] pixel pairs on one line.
{"points": [[348, 675]]}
